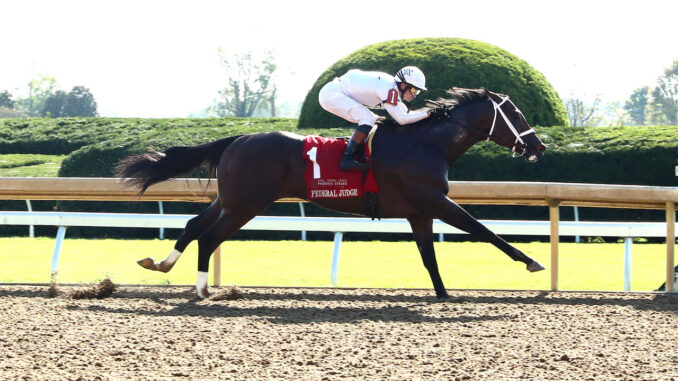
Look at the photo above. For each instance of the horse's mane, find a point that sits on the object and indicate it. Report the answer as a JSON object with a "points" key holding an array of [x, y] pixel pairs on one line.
{"points": [[456, 97]]}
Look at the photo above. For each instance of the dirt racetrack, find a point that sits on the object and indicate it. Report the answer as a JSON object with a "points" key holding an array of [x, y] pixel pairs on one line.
{"points": [[164, 333]]}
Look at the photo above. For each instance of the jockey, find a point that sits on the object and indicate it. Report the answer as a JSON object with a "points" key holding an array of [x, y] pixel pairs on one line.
{"points": [[354, 93]]}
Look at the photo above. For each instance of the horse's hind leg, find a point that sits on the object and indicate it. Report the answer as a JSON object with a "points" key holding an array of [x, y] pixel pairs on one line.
{"points": [[228, 223], [194, 227]]}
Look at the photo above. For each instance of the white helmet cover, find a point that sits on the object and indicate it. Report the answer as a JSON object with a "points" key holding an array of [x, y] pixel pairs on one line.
{"points": [[412, 75]]}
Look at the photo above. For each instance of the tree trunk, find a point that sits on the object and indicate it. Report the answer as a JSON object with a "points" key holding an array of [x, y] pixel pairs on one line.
{"points": [[272, 101]]}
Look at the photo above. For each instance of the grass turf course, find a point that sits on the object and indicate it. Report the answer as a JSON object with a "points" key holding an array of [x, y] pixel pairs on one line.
{"points": [[362, 264]]}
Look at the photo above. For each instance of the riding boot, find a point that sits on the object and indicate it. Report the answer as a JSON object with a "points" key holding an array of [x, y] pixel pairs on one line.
{"points": [[347, 162], [360, 153]]}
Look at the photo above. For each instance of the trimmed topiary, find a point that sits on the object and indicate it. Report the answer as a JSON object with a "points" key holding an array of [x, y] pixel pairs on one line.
{"points": [[447, 62]]}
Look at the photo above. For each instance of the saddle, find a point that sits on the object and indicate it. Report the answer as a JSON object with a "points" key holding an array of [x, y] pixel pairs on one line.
{"points": [[324, 179]]}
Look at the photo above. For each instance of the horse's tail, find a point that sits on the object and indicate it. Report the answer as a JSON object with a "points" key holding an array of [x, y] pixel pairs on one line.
{"points": [[142, 171]]}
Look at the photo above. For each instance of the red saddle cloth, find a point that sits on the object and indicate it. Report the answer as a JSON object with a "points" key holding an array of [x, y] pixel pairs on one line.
{"points": [[323, 177]]}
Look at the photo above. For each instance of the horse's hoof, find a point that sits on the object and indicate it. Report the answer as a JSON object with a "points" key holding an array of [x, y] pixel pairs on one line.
{"points": [[203, 293], [535, 266], [444, 299], [147, 263]]}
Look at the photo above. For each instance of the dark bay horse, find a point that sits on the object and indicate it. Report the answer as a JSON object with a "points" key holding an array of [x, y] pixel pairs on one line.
{"points": [[410, 162]]}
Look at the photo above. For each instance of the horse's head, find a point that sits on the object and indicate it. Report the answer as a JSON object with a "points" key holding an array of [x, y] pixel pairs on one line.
{"points": [[510, 129], [490, 116]]}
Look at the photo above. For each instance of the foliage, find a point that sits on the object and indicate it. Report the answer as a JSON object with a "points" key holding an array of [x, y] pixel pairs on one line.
{"points": [[39, 90], [64, 135], [54, 105], [6, 100], [78, 102], [580, 113], [447, 62], [250, 82], [636, 105], [664, 105], [44, 99], [643, 147]]}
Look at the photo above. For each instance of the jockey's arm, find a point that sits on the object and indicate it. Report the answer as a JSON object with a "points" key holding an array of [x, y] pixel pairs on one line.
{"points": [[402, 115]]}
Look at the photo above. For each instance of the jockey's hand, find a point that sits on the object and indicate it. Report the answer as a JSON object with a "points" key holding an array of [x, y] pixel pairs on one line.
{"points": [[438, 113]]}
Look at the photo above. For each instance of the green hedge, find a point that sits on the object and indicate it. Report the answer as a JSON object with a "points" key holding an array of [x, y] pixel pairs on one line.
{"points": [[447, 62], [612, 155], [61, 136], [99, 159]]}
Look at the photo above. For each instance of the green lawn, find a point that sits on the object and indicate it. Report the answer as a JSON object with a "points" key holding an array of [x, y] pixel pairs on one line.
{"points": [[362, 264], [30, 165]]}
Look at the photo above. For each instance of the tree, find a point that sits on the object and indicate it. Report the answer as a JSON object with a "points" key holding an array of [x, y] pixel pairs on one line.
{"points": [[582, 114], [636, 105], [249, 83], [54, 105], [80, 102], [6, 100], [664, 104], [39, 90], [614, 114]]}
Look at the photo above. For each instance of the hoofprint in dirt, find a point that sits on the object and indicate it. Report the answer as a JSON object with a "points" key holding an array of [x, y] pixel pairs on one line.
{"points": [[147, 333]]}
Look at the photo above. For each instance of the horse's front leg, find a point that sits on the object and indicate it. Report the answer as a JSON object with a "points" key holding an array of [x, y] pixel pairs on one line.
{"points": [[422, 229], [449, 212]]}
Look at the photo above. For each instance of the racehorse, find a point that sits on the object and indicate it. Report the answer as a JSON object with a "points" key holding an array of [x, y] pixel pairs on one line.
{"points": [[410, 162]]}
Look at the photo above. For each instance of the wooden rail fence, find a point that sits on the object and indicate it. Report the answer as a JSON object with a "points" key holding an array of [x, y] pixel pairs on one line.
{"points": [[552, 195]]}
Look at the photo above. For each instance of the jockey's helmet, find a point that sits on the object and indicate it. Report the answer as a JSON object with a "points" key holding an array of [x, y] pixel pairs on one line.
{"points": [[413, 76]]}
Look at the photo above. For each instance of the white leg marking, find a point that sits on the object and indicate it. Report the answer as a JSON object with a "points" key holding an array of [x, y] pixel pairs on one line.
{"points": [[201, 285], [173, 256], [169, 262]]}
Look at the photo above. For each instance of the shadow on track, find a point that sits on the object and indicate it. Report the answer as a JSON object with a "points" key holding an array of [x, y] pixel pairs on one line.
{"points": [[363, 303]]}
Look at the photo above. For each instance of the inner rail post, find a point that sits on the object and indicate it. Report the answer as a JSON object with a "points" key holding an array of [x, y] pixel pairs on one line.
{"points": [[216, 257], [334, 269], [554, 213], [670, 243], [56, 255]]}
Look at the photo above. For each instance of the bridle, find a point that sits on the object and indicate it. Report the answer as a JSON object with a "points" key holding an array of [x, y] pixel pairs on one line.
{"points": [[519, 146]]}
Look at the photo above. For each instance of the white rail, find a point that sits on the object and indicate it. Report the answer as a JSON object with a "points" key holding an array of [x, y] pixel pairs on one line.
{"points": [[338, 226]]}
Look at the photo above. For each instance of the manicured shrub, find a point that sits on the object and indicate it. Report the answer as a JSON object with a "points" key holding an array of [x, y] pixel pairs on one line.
{"points": [[447, 62]]}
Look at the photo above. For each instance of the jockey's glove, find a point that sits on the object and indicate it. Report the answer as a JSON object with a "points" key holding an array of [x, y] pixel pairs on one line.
{"points": [[438, 113]]}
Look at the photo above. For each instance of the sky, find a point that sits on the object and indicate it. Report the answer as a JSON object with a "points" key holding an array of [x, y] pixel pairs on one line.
{"points": [[159, 59]]}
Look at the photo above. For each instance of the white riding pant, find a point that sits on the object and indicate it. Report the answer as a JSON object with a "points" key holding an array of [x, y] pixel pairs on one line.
{"points": [[333, 99]]}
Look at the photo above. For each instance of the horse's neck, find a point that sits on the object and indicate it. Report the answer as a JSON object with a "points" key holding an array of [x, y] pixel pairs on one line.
{"points": [[459, 143], [461, 136]]}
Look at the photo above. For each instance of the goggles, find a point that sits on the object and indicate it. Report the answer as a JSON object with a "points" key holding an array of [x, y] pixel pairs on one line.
{"points": [[413, 90]]}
